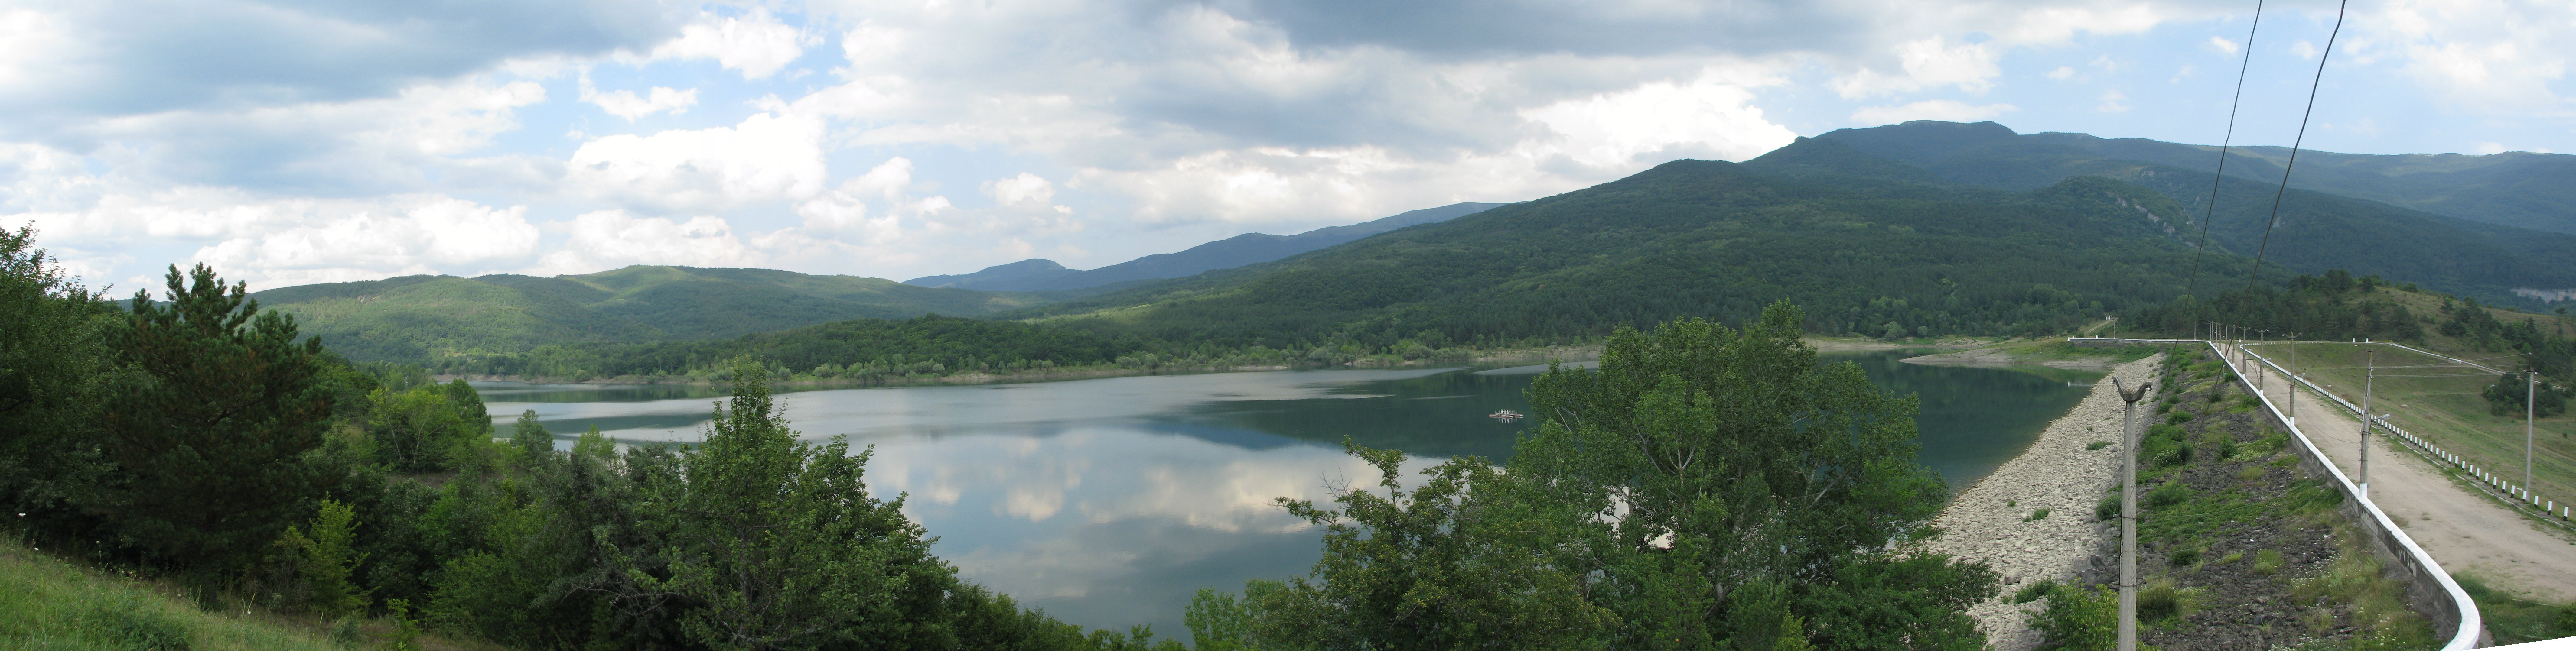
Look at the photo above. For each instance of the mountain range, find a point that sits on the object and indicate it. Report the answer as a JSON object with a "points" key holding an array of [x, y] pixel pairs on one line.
{"points": [[1041, 275], [1920, 228]]}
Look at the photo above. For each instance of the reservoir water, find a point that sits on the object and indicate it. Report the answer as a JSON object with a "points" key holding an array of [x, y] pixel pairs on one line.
{"points": [[1107, 502]]}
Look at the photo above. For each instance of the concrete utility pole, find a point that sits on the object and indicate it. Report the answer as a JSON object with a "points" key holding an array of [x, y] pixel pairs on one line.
{"points": [[2530, 390], [2129, 514], [2370, 378]]}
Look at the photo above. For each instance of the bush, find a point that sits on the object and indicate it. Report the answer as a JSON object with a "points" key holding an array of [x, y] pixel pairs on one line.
{"points": [[2034, 591], [2079, 619], [2178, 418], [2106, 509], [2041, 514], [2184, 557], [2167, 495], [2096, 445], [130, 623]]}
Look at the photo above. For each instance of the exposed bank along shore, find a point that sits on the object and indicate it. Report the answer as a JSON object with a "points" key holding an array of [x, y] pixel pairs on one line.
{"points": [[1990, 520]]}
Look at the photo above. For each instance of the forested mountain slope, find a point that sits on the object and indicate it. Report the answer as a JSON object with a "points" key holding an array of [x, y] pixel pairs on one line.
{"points": [[2316, 231], [1228, 253], [416, 318], [2521, 189], [1697, 238]]}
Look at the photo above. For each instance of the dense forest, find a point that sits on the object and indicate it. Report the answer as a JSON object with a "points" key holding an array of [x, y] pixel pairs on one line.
{"points": [[199, 438]]}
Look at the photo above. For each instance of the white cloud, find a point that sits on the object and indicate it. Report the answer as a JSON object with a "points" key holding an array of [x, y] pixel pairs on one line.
{"points": [[768, 157], [1025, 188], [2111, 102], [2303, 50], [757, 45], [2222, 44], [1705, 117], [274, 242], [2481, 57], [1929, 63], [625, 104], [2061, 73], [2488, 148], [1930, 109], [611, 239]]}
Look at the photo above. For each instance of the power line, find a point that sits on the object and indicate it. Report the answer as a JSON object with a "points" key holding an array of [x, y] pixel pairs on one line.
{"points": [[2313, 84], [2248, 64]]}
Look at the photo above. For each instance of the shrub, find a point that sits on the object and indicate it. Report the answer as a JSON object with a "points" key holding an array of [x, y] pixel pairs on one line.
{"points": [[2167, 495], [2267, 562], [2041, 514], [2079, 619], [2178, 418], [2184, 557], [2096, 445], [2106, 509], [2034, 591]]}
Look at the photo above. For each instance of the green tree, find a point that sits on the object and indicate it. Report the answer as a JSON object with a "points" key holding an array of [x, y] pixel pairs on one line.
{"points": [[1705, 488], [1714, 461], [779, 542], [1434, 567], [324, 559], [211, 440], [429, 428], [52, 365]]}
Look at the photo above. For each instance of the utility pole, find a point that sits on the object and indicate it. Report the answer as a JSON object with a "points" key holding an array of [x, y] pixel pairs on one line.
{"points": [[2530, 390], [2370, 378], [2129, 514]]}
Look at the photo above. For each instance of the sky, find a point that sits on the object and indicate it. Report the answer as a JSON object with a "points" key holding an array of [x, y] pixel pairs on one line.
{"points": [[288, 142]]}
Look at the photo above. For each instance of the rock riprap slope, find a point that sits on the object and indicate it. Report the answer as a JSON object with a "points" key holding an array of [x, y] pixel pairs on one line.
{"points": [[1992, 521]]}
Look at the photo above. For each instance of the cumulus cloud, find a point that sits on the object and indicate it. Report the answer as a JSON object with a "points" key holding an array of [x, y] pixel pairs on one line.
{"points": [[290, 241], [1931, 109], [767, 157], [70, 63], [625, 104], [1705, 117], [610, 239], [756, 45]]}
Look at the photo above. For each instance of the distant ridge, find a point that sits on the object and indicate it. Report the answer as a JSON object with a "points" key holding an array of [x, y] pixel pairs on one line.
{"points": [[419, 318], [1249, 248]]}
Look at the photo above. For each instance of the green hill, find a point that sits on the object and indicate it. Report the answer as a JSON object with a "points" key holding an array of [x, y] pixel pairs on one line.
{"points": [[418, 318], [1696, 238], [2317, 230], [2519, 189]]}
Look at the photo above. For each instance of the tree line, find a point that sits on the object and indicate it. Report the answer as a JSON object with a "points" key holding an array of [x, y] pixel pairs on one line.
{"points": [[1705, 488]]}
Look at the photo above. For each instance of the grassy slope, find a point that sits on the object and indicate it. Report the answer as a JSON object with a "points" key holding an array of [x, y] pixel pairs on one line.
{"points": [[419, 317], [2449, 410], [46, 603]]}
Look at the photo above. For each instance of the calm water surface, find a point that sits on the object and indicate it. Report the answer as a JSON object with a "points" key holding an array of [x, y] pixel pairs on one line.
{"points": [[1108, 502]]}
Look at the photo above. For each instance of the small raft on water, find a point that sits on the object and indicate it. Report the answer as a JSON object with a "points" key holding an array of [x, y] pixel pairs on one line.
{"points": [[1506, 415]]}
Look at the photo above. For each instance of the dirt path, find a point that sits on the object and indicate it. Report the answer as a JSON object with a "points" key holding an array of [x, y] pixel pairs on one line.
{"points": [[2464, 530]]}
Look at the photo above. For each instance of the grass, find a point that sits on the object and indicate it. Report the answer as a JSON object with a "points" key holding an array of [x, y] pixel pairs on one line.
{"points": [[2447, 411], [2514, 619], [48, 603]]}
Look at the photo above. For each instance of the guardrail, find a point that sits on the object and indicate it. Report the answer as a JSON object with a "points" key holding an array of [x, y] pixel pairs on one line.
{"points": [[2468, 630], [2513, 495]]}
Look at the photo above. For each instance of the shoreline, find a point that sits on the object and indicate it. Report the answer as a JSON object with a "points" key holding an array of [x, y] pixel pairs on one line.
{"points": [[1537, 355], [1988, 520]]}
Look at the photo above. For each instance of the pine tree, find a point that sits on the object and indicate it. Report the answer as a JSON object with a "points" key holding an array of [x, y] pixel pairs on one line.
{"points": [[210, 441]]}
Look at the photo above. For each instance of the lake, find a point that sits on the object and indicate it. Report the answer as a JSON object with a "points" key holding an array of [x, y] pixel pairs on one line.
{"points": [[1107, 502]]}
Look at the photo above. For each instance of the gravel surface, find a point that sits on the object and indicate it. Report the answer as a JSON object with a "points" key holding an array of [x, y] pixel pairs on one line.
{"points": [[1990, 521]]}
